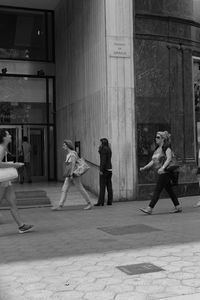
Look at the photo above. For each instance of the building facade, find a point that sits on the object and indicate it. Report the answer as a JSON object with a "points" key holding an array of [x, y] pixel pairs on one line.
{"points": [[120, 69]]}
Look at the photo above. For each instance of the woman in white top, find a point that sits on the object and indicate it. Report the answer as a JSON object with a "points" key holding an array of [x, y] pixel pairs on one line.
{"points": [[71, 157], [6, 188], [161, 158]]}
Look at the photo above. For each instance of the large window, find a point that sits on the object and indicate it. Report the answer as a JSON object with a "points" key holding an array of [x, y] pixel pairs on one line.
{"points": [[27, 108], [26, 34], [23, 100]]}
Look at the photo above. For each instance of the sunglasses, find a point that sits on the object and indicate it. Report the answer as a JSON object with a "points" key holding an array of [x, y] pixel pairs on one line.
{"points": [[158, 137]]}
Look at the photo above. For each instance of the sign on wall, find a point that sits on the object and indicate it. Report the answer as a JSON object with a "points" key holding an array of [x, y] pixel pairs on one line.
{"points": [[119, 48]]}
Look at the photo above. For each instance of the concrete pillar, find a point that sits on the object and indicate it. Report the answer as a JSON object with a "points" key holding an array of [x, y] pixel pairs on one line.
{"points": [[120, 94]]}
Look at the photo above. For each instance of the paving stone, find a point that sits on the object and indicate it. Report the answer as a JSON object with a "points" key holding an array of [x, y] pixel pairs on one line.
{"points": [[28, 279], [109, 281], [181, 275], [131, 296], [185, 297], [78, 280], [149, 289], [140, 281], [70, 250], [192, 269], [156, 275], [99, 296], [119, 288], [90, 287], [167, 282], [180, 290], [42, 294], [100, 274], [34, 286], [15, 293], [192, 282], [160, 296], [170, 258]]}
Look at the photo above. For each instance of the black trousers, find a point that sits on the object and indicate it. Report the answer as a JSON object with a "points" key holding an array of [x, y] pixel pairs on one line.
{"points": [[163, 182], [105, 182]]}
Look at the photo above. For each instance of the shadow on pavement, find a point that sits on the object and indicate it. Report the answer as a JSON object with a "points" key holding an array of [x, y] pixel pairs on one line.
{"points": [[75, 232]]}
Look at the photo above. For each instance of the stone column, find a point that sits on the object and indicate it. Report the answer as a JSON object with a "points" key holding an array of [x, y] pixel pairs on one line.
{"points": [[121, 97]]}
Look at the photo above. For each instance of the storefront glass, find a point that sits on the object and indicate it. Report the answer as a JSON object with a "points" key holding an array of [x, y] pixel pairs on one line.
{"points": [[152, 100], [27, 109], [26, 34]]}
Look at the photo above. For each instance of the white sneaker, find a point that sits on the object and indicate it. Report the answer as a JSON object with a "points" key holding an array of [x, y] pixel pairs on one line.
{"points": [[147, 210], [176, 210], [89, 206], [56, 208]]}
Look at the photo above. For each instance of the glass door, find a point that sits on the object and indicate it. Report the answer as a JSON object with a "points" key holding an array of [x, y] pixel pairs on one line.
{"points": [[37, 136], [38, 141]]}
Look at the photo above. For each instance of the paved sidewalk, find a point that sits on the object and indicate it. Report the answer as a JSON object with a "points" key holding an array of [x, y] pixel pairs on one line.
{"points": [[74, 254]]}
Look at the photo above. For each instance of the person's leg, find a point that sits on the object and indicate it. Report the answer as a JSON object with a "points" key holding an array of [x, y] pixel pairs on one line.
{"points": [[10, 197], [82, 190], [102, 187], [64, 191], [109, 187], [172, 194], [7, 191], [161, 182], [170, 191]]}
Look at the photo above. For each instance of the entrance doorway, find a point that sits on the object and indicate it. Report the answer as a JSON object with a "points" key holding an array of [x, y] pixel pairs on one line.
{"points": [[37, 136]]}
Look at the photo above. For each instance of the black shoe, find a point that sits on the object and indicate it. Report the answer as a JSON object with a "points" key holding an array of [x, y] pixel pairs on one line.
{"points": [[109, 203], [30, 181], [97, 204]]}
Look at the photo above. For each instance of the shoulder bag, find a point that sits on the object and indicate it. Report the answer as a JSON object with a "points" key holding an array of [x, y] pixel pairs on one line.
{"points": [[81, 167], [173, 165]]}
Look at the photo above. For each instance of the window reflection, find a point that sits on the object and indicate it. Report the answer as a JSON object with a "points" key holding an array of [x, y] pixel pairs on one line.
{"points": [[23, 34]]}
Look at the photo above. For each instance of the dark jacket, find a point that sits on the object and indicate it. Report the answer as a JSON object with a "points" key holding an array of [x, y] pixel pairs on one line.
{"points": [[105, 158]]}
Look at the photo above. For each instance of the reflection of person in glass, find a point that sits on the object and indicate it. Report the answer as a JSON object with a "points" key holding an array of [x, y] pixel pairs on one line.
{"points": [[6, 188], [161, 158], [26, 151]]}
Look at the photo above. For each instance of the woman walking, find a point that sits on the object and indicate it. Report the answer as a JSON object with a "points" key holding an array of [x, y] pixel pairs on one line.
{"points": [[161, 158], [71, 157], [6, 188]]}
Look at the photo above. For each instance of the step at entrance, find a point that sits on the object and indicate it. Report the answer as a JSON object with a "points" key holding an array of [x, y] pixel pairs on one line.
{"points": [[30, 198]]}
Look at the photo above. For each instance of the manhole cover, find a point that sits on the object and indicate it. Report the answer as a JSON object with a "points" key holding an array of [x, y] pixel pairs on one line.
{"points": [[139, 269], [130, 229]]}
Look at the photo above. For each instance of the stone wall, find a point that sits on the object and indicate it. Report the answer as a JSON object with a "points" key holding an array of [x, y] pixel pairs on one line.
{"points": [[167, 36]]}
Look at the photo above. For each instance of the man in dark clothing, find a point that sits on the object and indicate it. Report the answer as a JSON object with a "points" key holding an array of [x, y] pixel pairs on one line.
{"points": [[105, 173]]}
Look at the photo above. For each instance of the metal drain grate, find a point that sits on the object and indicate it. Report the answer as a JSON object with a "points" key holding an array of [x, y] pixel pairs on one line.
{"points": [[139, 269], [130, 229]]}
